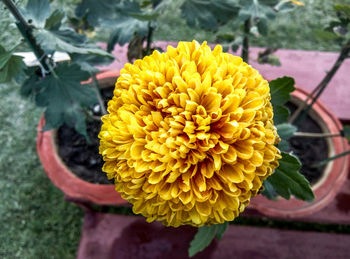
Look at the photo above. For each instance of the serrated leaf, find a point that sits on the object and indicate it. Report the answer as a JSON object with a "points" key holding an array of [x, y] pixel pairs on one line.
{"points": [[269, 192], [30, 86], [131, 8], [66, 40], [284, 145], [37, 11], [95, 10], [208, 14], [286, 130], [4, 56], [202, 239], [255, 10], [280, 90], [64, 97], [53, 22], [287, 181], [124, 30], [221, 228], [205, 236], [77, 118], [11, 66], [280, 114], [89, 62]]}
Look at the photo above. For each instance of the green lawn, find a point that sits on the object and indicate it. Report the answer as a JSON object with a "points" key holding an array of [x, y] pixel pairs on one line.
{"points": [[36, 222]]}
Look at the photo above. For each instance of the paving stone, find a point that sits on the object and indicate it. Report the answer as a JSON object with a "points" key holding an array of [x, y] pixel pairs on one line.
{"points": [[115, 236]]}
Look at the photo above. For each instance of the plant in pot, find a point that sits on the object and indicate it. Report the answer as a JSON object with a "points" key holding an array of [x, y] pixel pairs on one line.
{"points": [[68, 103], [323, 151], [189, 137], [250, 19]]}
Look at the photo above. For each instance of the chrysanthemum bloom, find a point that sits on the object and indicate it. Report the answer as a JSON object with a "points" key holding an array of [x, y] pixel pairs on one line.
{"points": [[189, 137]]}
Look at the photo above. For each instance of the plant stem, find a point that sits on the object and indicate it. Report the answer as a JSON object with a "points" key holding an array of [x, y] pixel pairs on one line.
{"points": [[27, 33], [316, 135], [321, 86], [245, 46], [98, 94], [94, 117], [331, 158], [15, 12], [149, 38]]}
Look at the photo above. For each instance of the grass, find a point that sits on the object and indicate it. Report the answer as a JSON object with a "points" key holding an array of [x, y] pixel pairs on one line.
{"points": [[36, 222]]}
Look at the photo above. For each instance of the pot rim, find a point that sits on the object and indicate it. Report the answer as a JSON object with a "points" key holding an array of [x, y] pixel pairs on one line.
{"points": [[73, 187], [104, 194], [329, 184]]}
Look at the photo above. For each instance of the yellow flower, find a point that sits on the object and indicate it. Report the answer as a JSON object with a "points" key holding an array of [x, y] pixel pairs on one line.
{"points": [[189, 137]]}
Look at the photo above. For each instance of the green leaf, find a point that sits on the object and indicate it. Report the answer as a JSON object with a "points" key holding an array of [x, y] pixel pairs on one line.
{"points": [[343, 10], [255, 10], [285, 132], [124, 30], [4, 57], [131, 8], [280, 114], [269, 192], [36, 12], [64, 97], [66, 40], [202, 239], [30, 86], [208, 14], [205, 236], [221, 228], [94, 10], [287, 181], [11, 66], [280, 90], [262, 27], [326, 35], [89, 62], [54, 20], [225, 37]]}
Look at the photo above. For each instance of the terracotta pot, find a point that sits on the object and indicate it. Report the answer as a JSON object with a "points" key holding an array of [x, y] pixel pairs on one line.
{"points": [[73, 187], [333, 177]]}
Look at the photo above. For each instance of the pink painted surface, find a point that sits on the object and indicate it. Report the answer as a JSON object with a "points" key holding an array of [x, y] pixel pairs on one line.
{"points": [[306, 67], [113, 236]]}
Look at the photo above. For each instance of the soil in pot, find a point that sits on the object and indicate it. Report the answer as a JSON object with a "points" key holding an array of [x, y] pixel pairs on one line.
{"points": [[78, 154], [84, 160], [309, 150]]}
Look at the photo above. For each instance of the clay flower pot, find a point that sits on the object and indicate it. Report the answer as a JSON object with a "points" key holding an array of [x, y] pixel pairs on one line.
{"points": [[335, 173], [73, 187]]}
